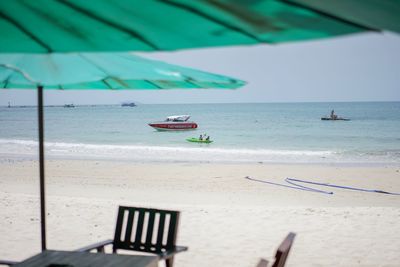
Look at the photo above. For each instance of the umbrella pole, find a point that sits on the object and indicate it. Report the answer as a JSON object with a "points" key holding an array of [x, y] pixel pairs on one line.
{"points": [[41, 166]]}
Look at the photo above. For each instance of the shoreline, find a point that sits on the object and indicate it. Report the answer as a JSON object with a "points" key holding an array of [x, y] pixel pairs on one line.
{"points": [[327, 163], [182, 152]]}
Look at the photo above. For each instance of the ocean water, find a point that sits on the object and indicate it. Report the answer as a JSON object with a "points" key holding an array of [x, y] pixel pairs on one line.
{"points": [[263, 133]]}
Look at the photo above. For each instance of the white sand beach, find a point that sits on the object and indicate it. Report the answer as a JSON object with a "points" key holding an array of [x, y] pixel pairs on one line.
{"points": [[226, 220]]}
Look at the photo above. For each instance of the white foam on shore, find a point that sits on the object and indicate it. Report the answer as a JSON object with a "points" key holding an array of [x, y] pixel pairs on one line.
{"points": [[142, 153]]}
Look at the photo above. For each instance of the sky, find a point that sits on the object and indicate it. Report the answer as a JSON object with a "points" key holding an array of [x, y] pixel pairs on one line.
{"points": [[360, 67]]}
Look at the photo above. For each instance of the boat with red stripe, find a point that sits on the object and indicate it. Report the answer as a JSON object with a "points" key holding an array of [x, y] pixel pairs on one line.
{"points": [[175, 123]]}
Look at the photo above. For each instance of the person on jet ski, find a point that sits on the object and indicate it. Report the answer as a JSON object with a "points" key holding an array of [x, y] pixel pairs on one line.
{"points": [[333, 115]]}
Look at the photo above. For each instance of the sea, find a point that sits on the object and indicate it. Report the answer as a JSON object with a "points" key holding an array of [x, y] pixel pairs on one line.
{"points": [[242, 133]]}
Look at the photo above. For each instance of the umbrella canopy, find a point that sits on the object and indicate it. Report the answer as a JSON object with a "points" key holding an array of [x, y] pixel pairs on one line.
{"points": [[102, 71], [43, 26], [372, 14]]}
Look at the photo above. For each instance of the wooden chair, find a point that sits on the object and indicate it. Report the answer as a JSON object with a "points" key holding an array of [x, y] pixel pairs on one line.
{"points": [[281, 254], [283, 250], [145, 230]]}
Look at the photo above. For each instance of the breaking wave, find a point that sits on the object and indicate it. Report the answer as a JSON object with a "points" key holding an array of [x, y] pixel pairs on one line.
{"points": [[143, 153]]}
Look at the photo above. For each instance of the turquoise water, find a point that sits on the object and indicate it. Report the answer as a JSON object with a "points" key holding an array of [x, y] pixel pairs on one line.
{"points": [[280, 132]]}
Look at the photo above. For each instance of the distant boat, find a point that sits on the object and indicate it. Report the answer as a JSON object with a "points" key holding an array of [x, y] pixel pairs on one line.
{"points": [[334, 117], [130, 104], [69, 106]]}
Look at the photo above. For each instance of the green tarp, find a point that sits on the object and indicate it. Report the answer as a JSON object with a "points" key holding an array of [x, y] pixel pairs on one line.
{"points": [[43, 26]]}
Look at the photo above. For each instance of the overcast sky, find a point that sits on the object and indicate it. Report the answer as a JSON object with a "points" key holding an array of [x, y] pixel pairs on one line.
{"points": [[362, 67]]}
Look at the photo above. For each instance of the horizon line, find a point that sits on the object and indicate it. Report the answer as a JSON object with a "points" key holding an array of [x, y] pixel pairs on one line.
{"points": [[214, 103]]}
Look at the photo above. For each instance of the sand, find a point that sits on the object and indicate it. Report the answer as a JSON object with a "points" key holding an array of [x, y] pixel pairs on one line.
{"points": [[226, 220]]}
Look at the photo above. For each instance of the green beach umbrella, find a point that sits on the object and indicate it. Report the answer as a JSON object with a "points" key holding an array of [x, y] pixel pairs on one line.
{"points": [[120, 70], [43, 26], [95, 71], [41, 39]]}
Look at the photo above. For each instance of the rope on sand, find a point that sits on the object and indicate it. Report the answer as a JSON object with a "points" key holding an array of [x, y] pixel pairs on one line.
{"points": [[294, 185], [291, 180], [299, 187]]}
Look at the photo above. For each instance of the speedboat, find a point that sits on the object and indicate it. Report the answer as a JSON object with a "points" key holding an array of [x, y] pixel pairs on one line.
{"points": [[174, 123]]}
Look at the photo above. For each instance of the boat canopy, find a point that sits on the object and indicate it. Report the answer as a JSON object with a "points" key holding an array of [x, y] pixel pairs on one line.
{"points": [[178, 118]]}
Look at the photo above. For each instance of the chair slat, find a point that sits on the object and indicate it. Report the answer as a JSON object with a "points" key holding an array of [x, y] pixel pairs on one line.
{"points": [[139, 230], [173, 226], [128, 231], [118, 229], [160, 232], [150, 230]]}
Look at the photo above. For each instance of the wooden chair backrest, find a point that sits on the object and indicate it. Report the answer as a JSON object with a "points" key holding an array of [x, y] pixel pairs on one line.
{"points": [[283, 250], [146, 230]]}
